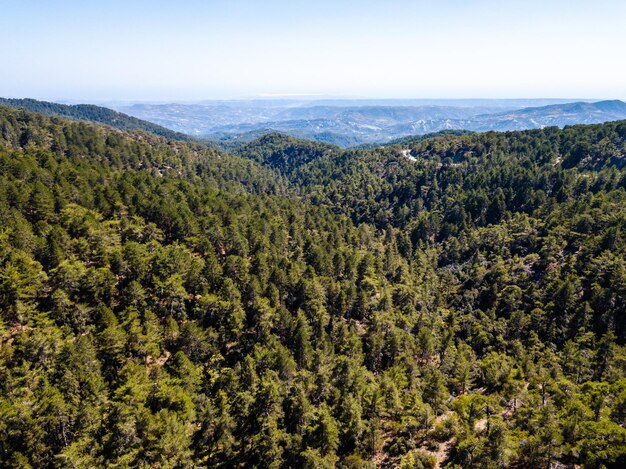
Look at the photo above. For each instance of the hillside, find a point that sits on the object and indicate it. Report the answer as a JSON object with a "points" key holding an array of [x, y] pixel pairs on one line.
{"points": [[352, 123], [554, 115], [451, 300], [284, 153], [92, 113]]}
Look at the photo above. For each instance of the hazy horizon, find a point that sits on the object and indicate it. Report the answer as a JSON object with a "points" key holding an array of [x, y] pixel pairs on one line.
{"points": [[193, 51], [358, 100]]}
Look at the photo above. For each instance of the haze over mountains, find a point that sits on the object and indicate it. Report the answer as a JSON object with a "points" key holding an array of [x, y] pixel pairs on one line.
{"points": [[346, 123], [355, 122]]}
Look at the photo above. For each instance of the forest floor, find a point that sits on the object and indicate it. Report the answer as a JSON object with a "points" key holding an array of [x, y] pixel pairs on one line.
{"points": [[442, 453]]}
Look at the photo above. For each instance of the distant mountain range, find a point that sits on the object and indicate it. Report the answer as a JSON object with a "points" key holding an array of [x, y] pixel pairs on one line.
{"points": [[348, 123], [352, 122], [555, 115]]}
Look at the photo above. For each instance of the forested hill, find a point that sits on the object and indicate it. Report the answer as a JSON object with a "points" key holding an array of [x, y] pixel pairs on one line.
{"points": [[446, 183], [455, 301], [135, 150], [284, 153], [418, 138], [93, 113]]}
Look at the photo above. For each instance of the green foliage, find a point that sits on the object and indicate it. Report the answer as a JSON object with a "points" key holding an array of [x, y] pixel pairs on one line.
{"points": [[92, 113], [163, 304]]}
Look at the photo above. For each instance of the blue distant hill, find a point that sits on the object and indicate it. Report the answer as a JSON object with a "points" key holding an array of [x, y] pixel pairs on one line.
{"points": [[352, 122]]}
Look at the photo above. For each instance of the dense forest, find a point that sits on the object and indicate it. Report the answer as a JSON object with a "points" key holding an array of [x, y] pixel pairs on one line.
{"points": [[93, 113], [456, 301]]}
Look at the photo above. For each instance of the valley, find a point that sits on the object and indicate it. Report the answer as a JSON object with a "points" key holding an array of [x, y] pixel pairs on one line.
{"points": [[350, 123], [451, 301]]}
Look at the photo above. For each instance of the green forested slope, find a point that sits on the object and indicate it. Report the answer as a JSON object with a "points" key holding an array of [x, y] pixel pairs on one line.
{"points": [[93, 113], [284, 153], [168, 305]]}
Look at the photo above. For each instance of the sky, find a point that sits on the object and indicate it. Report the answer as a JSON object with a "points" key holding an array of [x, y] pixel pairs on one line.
{"points": [[186, 50]]}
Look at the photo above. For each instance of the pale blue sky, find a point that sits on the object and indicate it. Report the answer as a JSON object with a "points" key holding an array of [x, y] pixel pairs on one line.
{"points": [[185, 50]]}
